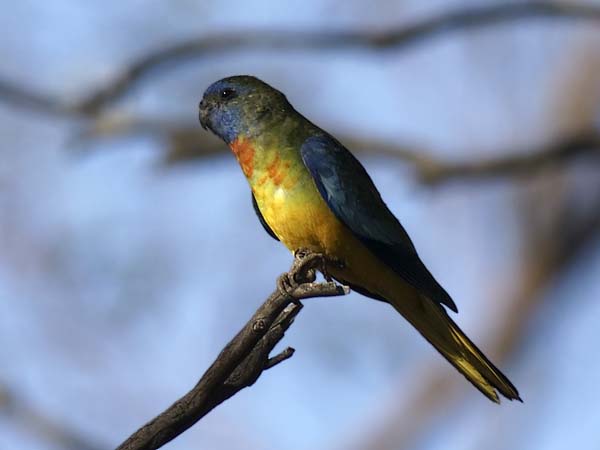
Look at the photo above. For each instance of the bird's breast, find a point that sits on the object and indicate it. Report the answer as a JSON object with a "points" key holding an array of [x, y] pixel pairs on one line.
{"points": [[292, 206]]}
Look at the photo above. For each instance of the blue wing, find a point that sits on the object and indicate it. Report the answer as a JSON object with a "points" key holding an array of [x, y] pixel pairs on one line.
{"points": [[350, 193]]}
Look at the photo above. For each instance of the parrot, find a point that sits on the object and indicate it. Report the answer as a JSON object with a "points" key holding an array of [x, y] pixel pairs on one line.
{"points": [[310, 192]]}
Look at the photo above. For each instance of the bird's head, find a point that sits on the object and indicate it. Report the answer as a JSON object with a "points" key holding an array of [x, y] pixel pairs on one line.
{"points": [[240, 105]]}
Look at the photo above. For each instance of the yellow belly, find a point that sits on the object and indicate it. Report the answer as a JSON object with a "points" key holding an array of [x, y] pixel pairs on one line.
{"points": [[301, 219]]}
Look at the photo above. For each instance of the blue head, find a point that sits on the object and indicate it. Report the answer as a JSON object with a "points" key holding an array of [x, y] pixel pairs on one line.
{"points": [[240, 105]]}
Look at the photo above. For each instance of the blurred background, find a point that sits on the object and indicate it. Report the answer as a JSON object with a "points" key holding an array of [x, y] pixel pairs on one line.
{"points": [[130, 253]]}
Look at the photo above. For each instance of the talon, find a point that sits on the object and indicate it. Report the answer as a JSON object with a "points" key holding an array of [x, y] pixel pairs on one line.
{"points": [[330, 261], [301, 253], [325, 272], [311, 276], [286, 285]]}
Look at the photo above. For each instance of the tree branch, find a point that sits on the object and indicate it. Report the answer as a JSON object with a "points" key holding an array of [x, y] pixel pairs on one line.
{"points": [[244, 358], [393, 39], [37, 423], [514, 163], [185, 143]]}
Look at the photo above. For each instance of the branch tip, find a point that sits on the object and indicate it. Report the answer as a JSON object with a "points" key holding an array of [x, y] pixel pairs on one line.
{"points": [[280, 357]]}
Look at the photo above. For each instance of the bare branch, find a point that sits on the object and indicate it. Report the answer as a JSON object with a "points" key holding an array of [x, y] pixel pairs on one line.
{"points": [[37, 423], [285, 354], [282, 40], [28, 99], [514, 163], [243, 360], [185, 143]]}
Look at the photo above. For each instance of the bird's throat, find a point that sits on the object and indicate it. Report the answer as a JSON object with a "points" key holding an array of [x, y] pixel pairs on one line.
{"points": [[244, 152]]}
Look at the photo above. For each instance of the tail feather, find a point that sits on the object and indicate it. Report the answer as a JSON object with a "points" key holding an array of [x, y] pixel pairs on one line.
{"points": [[432, 321]]}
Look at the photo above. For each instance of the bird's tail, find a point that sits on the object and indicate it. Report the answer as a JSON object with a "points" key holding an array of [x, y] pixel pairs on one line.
{"points": [[432, 321]]}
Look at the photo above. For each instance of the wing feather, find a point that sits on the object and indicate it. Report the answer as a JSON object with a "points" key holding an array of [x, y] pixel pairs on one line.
{"points": [[350, 193]]}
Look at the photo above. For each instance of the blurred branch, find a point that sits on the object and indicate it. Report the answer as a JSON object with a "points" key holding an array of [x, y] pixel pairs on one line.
{"points": [[42, 425], [29, 99], [187, 143], [244, 358], [393, 39], [522, 162], [550, 249]]}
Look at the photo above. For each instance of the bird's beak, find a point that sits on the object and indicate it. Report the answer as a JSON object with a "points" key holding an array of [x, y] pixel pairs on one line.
{"points": [[203, 114]]}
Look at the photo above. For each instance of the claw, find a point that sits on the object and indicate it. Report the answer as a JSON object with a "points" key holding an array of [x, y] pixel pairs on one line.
{"points": [[301, 253], [331, 262], [324, 271], [286, 285], [311, 276], [319, 261]]}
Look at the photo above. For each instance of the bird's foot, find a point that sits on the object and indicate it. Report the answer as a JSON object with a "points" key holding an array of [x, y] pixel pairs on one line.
{"points": [[303, 271], [328, 263], [301, 253], [286, 285], [317, 261]]}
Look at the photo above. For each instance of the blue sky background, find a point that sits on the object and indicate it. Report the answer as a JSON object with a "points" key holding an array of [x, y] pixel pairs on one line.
{"points": [[121, 278]]}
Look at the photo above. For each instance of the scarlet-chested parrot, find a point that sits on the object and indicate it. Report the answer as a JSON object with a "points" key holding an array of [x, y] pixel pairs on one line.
{"points": [[310, 192]]}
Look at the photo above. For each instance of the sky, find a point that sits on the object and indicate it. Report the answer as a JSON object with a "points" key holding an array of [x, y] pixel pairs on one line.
{"points": [[122, 278]]}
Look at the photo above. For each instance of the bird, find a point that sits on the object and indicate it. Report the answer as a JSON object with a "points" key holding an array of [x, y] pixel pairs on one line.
{"points": [[310, 192]]}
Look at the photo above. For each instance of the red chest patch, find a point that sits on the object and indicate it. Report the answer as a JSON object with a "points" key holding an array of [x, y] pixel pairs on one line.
{"points": [[244, 152]]}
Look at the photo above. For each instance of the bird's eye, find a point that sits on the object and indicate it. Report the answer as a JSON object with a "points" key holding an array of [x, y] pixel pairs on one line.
{"points": [[227, 93]]}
